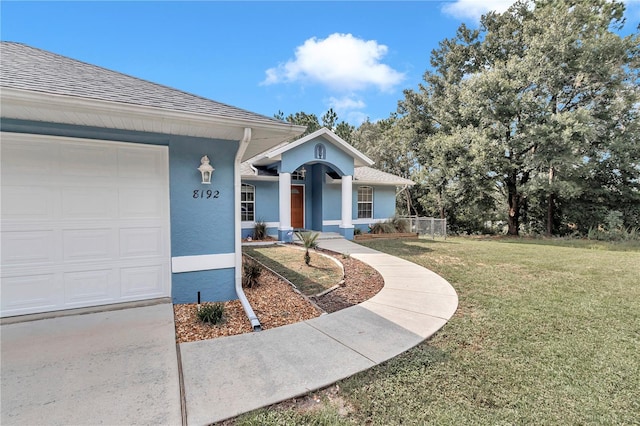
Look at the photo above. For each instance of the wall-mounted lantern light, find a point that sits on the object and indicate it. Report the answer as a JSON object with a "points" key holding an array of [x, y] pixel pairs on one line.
{"points": [[303, 172], [206, 170]]}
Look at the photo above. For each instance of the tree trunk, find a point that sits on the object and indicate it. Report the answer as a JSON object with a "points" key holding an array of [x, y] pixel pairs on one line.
{"points": [[550, 204], [514, 205], [550, 214]]}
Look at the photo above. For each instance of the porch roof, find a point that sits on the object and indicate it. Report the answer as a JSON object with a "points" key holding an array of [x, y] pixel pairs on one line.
{"points": [[362, 176]]}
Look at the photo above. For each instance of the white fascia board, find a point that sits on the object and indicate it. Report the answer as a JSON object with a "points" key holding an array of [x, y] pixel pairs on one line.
{"points": [[29, 105], [332, 181]]}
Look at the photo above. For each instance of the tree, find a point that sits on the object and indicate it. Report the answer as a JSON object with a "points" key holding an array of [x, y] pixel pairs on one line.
{"points": [[329, 119], [308, 240], [343, 129], [301, 119], [523, 106], [386, 143]]}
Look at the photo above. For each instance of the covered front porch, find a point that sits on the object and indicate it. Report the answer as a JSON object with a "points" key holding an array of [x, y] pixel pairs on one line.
{"points": [[311, 199]]}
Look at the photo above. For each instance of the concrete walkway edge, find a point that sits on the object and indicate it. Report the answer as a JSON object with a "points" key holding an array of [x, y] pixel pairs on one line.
{"points": [[229, 376]]}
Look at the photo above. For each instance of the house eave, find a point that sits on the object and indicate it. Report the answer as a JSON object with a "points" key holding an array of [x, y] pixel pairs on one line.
{"points": [[54, 108]]}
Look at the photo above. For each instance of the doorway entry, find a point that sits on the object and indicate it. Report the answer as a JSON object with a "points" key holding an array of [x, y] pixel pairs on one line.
{"points": [[297, 206]]}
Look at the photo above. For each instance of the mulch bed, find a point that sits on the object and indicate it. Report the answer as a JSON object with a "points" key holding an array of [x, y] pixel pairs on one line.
{"points": [[276, 303]]}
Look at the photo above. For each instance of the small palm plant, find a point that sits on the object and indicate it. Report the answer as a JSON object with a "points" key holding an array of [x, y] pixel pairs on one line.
{"points": [[309, 242]]}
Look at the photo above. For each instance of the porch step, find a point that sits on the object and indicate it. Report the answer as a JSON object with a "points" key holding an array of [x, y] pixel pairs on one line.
{"points": [[324, 236]]}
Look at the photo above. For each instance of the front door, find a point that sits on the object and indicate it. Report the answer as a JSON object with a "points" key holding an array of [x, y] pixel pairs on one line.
{"points": [[297, 206]]}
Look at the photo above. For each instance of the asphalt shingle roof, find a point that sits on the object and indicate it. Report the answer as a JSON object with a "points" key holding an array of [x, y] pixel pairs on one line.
{"points": [[28, 68], [370, 175]]}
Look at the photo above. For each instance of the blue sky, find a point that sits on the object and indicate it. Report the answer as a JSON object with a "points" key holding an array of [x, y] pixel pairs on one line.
{"points": [[356, 57]]}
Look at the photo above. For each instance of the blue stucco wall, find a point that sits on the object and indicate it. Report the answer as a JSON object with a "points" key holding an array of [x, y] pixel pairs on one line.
{"points": [[332, 202], [317, 180], [384, 197], [201, 225], [214, 286]]}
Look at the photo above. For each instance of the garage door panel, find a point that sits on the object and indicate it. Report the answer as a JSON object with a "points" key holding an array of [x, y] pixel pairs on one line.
{"points": [[89, 287], [135, 281], [89, 203], [88, 160], [141, 203], [23, 202], [31, 293], [88, 244], [29, 247], [140, 163], [92, 228], [28, 159], [136, 242]]}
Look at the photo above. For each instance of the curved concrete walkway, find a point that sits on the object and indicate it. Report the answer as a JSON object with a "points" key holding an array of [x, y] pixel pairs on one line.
{"points": [[229, 376]]}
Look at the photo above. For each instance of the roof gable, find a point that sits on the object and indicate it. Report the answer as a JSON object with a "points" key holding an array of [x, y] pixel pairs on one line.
{"points": [[359, 158]]}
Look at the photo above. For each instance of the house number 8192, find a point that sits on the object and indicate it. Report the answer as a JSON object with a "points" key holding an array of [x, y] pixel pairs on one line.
{"points": [[201, 193]]}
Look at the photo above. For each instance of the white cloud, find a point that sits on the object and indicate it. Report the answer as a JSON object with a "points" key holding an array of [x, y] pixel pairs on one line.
{"points": [[474, 9], [346, 103], [341, 62], [356, 118], [349, 109]]}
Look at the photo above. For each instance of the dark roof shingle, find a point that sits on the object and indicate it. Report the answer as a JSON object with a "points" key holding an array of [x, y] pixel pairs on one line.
{"points": [[28, 68]]}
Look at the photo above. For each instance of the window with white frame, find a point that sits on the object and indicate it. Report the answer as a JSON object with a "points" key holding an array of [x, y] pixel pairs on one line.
{"points": [[247, 202], [365, 202]]}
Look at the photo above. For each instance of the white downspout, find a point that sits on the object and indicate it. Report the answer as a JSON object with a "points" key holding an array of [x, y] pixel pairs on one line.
{"points": [[237, 185]]}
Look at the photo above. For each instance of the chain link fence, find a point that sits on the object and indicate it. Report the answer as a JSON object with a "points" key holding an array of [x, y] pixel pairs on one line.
{"points": [[429, 226]]}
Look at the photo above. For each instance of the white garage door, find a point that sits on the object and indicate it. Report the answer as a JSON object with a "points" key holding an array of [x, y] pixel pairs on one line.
{"points": [[84, 223]]}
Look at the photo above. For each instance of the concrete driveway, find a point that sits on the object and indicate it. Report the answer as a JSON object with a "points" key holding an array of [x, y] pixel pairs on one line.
{"points": [[116, 367]]}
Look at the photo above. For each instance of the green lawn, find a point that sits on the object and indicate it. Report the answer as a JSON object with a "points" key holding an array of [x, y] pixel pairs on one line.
{"points": [[545, 333], [321, 274]]}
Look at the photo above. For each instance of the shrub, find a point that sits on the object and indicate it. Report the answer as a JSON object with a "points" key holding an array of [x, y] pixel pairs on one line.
{"points": [[260, 230], [251, 271], [211, 313], [390, 226], [401, 225], [613, 230], [309, 242], [357, 231], [383, 228]]}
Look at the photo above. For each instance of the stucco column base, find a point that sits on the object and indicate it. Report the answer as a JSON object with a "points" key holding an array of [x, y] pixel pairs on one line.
{"points": [[347, 233], [285, 235]]}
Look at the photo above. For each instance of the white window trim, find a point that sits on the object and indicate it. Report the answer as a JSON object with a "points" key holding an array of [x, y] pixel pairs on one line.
{"points": [[253, 202], [358, 202]]}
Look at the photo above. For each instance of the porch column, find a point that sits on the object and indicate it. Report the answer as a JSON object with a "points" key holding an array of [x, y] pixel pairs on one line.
{"points": [[284, 189], [346, 222]]}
